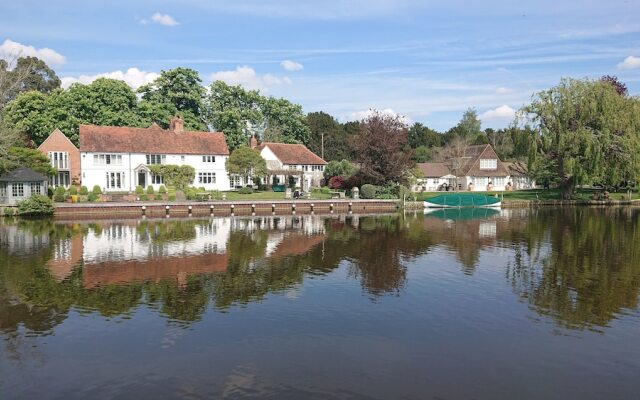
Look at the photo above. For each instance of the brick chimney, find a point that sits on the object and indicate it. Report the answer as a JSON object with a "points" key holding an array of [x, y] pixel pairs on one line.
{"points": [[176, 124], [253, 142]]}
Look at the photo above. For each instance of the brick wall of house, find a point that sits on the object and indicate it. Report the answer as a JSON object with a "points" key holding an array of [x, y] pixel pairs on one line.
{"points": [[57, 141]]}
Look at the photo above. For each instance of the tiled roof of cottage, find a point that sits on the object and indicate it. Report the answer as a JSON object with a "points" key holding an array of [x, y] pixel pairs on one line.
{"points": [[433, 169], [152, 140], [474, 154], [516, 168], [293, 154], [22, 174]]}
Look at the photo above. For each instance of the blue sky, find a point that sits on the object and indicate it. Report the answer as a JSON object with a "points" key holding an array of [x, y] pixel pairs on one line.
{"points": [[428, 60]]}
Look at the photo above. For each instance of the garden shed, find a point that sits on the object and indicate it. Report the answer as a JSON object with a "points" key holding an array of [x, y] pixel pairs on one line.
{"points": [[20, 184]]}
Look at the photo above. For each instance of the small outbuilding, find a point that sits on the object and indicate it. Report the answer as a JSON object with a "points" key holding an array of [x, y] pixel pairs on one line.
{"points": [[20, 184]]}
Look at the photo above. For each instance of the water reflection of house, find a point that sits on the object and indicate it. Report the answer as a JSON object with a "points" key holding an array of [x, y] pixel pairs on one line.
{"points": [[153, 270], [22, 241], [294, 244], [67, 254]]}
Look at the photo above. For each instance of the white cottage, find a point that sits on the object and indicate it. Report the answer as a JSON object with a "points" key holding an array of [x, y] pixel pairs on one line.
{"points": [[117, 159], [283, 160]]}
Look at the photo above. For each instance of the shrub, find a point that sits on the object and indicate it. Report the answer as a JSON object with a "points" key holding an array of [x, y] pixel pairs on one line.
{"points": [[150, 190], [139, 190], [73, 191], [179, 176], [35, 205], [96, 190], [353, 181], [158, 197], [171, 190], [84, 191], [58, 194], [172, 197], [368, 191], [386, 196], [389, 191], [144, 197], [245, 190], [162, 189], [336, 182], [7, 212], [92, 197]]}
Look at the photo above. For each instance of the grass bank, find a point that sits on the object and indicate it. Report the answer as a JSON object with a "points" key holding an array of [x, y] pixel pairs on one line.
{"points": [[542, 195]]}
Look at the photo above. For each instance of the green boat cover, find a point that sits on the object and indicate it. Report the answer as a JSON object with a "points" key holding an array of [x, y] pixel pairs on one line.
{"points": [[463, 200], [461, 214]]}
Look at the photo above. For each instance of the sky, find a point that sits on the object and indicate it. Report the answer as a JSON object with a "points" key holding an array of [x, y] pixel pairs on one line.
{"points": [[427, 60]]}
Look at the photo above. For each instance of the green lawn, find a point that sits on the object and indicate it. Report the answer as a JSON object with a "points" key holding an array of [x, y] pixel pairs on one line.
{"points": [[541, 194], [235, 196]]}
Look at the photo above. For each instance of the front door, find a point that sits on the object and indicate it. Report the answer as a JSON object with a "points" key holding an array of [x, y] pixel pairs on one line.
{"points": [[142, 179]]}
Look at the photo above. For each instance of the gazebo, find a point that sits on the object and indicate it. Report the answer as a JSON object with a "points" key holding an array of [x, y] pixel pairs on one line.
{"points": [[20, 184]]}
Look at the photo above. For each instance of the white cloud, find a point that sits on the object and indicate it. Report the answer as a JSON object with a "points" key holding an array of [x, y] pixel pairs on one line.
{"points": [[291, 65], [249, 79], [503, 112], [360, 115], [162, 19], [630, 62], [133, 77], [10, 50], [504, 90]]}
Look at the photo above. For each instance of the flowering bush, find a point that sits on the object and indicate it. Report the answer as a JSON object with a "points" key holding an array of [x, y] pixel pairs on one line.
{"points": [[336, 182]]}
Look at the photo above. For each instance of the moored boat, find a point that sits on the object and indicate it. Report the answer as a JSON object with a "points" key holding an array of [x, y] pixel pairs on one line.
{"points": [[458, 200]]}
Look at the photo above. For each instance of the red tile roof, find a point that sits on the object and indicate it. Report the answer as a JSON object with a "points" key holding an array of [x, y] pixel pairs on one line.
{"points": [[433, 169], [293, 154], [152, 140]]}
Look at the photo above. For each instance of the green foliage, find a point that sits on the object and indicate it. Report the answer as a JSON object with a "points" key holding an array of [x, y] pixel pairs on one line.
{"points": [[176, 91], [469, 126], [139, 190], [324, 128], [368, 191], [422, 136], [171, 197], [84, 191], [342, 168], [96, 190], [35, 205], [158, 197], [92, 197], [102, 102], [144, 197], [28, 74], [7, 212], [162, 189], [150, 190], [585, 132], [73, 191], [31, 158], [231, 108], [247, 163], [59, 194], [245, 190], [176, 176]]}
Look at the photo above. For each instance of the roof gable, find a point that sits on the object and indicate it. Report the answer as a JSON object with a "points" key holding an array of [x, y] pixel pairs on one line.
{"points": [[479, 152], [293, 154], [56, 133], [433, 169], [152, 140]]}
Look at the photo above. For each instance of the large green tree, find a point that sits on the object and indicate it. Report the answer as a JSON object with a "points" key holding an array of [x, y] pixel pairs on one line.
{"points": [[103, 102], [176, 91], [469, 126], [239, 113], [246, 162], [586, 132], [327, 137], [30, 158], [29, 73]]}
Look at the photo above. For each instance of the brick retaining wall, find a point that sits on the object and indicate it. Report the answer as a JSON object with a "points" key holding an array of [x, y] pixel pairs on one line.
{"points": [[183, 209]]}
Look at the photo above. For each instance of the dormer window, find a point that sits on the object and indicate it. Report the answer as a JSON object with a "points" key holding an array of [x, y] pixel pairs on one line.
{"points": [[488, 163]]}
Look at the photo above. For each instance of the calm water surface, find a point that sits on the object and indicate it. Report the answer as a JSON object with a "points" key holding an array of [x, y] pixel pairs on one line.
{"points": [[520, 304]]}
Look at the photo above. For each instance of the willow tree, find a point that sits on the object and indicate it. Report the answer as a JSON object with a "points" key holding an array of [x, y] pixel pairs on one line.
{"points": [[585, 132]]}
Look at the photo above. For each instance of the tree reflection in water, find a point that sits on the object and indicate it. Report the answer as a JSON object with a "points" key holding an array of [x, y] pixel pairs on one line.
{"points": [[577, 265]]}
